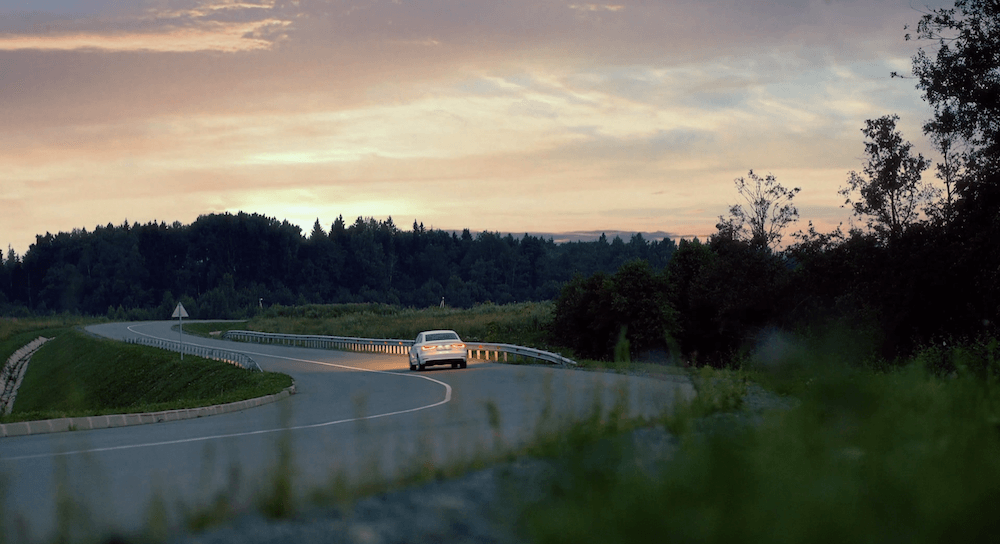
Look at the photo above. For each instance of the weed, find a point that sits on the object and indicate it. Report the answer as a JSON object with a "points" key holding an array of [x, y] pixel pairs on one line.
{"points": [[157, 520], [622, 347], [717, 391], [493, 417], [72, 519], [278, 500]]}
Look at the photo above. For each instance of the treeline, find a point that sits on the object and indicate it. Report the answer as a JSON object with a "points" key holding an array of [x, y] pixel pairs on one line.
{"points": [[919, 267], [228, 266], [936, 283]]}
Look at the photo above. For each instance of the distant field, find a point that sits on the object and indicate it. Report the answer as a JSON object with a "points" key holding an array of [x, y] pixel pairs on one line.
{"points": [[522, 324], [77, 375]]}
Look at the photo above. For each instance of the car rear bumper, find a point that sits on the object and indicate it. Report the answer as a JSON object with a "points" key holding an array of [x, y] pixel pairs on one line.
{"points": [[444, 357]]}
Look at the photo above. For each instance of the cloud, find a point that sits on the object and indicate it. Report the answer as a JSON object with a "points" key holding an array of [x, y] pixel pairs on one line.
{"points": [[204, 26], [539, 114], [226, 37], [596, 7]]}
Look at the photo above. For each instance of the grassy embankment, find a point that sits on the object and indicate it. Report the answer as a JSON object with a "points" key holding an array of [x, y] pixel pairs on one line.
{"points": [[75, 374]]}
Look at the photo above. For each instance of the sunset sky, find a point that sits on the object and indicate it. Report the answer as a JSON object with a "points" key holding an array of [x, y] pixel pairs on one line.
{"points": [[511, 116]]}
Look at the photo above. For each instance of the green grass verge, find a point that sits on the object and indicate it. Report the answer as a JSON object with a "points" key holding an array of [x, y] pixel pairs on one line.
{"points": [[16, 332], [212, 329], [78, 375]]}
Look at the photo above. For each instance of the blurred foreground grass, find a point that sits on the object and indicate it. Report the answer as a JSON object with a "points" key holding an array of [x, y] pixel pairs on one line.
{"points": [[910, 454]]}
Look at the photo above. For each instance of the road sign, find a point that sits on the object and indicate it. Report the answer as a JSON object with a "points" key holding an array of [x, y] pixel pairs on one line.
{"points": [[179, 311]]}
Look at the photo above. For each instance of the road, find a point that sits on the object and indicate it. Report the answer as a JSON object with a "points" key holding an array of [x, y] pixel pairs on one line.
{"points": [[359, 416]]}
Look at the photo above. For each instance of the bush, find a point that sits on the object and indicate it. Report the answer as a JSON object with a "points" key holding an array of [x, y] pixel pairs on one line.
{"points": [[591, 312]]}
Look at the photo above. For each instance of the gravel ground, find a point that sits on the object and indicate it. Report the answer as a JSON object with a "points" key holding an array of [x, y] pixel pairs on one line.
{"points": [[479, 507]]}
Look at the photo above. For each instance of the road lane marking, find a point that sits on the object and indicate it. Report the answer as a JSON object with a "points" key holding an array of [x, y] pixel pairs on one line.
{"points": [[447, 398]]}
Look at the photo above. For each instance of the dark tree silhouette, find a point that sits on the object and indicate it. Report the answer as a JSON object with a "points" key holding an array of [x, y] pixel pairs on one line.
{"points": [[765, 212], [889, 194]]}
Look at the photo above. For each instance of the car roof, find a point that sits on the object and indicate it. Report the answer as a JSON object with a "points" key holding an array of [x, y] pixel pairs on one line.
{"points": [[439, 330]]}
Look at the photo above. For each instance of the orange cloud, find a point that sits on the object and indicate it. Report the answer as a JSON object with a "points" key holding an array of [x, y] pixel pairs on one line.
{"points": [[596, 7], [206, 36]]}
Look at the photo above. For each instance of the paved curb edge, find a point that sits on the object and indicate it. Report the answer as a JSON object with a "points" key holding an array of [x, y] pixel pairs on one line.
{"points": [[24, 428]]}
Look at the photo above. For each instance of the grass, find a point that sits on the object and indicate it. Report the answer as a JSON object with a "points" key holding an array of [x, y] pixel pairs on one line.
{"points": [[904, 455], [78, 375], [521, 324], [205, 329], [15, 332]]}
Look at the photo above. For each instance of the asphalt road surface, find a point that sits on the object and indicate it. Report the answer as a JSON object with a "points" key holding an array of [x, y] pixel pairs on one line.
{"points": [[358, 416]]}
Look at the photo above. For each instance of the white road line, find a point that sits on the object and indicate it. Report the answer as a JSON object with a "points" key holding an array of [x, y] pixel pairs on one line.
{"points": [[447, 398]]}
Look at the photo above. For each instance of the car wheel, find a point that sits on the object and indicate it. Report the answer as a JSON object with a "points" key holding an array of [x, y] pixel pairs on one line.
{"points": [[454, 365], [463, 365], [412, 367], [421, 366]]}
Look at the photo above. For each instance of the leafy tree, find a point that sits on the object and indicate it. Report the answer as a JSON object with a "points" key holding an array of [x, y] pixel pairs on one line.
{"points": [[961, 80], [889, 194], [592, 312], [768, 210], [943, 134]]}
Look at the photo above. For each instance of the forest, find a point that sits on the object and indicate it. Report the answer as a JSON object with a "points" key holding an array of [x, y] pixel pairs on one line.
{"points": [[232, 265], [919, 264]]}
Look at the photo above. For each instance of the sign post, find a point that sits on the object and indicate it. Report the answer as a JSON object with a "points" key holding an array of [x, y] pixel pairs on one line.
{"points": [[180, 313]]}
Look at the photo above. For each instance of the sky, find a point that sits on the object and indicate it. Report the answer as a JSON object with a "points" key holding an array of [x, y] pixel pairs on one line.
{"points": [[515, 116]]}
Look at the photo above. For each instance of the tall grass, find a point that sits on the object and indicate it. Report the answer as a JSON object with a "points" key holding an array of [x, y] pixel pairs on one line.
{"points": [[904, 455]]}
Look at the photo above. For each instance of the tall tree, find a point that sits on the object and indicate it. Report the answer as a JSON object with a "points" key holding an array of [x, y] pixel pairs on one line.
{"points": [[765, 212], [943, 134], [961, 81], [317, 232], [889, 194]]}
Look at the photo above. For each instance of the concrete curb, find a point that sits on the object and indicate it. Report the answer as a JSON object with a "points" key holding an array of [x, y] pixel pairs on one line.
{"points": [[24, 428]]}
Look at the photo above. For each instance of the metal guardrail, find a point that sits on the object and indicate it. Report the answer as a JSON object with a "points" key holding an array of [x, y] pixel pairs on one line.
{"points": [[477, 350], [484, 350], [374, 345], [241, 360]]}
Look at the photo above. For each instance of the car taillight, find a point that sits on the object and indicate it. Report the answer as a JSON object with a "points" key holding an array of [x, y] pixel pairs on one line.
{"points": [[428, 348], [458, 346]]}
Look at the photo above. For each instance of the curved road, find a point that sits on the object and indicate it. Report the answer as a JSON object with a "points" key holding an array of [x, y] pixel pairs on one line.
{"points": [[356, 415]]}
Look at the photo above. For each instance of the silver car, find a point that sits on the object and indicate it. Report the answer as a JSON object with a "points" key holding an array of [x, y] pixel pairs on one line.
{"points": [[438, 348]]}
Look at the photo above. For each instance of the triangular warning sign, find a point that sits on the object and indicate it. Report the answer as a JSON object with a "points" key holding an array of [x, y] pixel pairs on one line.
{"points": [[179, 311]]}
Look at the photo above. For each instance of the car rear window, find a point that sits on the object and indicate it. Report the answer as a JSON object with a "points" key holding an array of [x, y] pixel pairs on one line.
{"points": [[441, 336]]}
